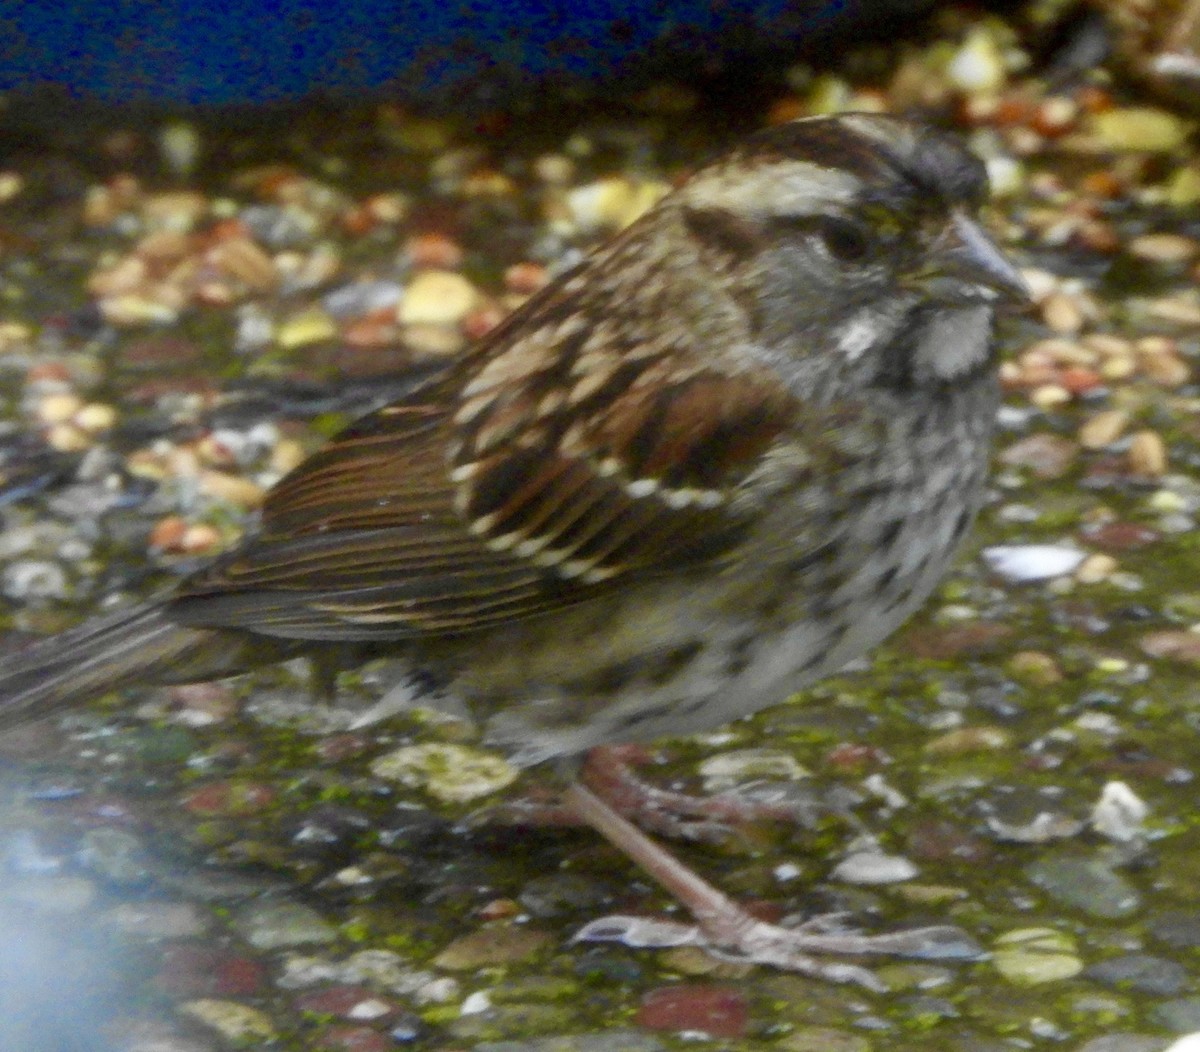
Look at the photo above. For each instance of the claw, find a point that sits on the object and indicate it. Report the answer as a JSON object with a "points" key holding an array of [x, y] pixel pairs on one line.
{"points": [[646, 933], [791, 948]]}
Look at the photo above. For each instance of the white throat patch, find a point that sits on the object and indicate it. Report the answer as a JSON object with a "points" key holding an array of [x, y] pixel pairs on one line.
{"points": [[956, 341], [857, 335]]}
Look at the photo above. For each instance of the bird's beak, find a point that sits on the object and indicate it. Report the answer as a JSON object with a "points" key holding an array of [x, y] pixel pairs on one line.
{"points": [[966, 267]]}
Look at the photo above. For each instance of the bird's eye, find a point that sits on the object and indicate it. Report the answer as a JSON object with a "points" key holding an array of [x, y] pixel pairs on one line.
{"points": [[845, 240]]}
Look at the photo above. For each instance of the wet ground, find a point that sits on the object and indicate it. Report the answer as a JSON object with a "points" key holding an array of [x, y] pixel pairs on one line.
{"points": [[187, 306]]}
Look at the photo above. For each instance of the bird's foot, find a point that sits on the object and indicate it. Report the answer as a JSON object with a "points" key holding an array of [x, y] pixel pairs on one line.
{"points": [[729, 931], [739, 937]]}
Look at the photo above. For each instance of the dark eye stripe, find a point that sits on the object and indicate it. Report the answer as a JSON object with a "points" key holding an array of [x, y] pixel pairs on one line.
{"points": [[719, 229], [844, 239]]}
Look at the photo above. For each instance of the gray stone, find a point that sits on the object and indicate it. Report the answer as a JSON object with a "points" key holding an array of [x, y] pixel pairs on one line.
{"points": [[278, 925], [1141, 972], [1085, 884], [1181, 1015], [1125, 1043], [606, 1041]]}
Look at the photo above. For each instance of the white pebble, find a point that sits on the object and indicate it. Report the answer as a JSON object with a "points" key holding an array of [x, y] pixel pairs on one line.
{"points": [[1119, 815], [869, 867], [1032, 562], [34, 579], [727, 771], [476, 1003], [978, 66]]}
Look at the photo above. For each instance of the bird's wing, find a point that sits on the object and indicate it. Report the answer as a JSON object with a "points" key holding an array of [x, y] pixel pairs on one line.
{"points": [[555, 463]]}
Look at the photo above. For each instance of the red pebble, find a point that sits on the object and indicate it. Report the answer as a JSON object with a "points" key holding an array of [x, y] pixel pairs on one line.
{"points": [[718, 1011], [1079, 380], [229, 798], [208, 971], [341, 1002], [482, 320], [353, 1039], [525, 278], [1120, 536], [434, 250], [855, 757]]}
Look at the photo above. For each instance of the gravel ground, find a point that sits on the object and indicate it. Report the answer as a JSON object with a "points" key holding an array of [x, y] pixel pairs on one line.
{"points": [[189, 305]]}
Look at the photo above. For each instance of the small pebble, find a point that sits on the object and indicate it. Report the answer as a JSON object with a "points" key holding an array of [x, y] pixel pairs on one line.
{"points": [[1181, 1014], [1036, 668], [611, 202], [717, 1011], [1024, 563], [1046, 456], [234, 797], [1141, 972], [200, 970], [1129, 1043], [1096, 568], [1050, 396], [244, 259], [232, 1020], [868, 867], [726, 771], [1086, 883], [978, 65], [310, 326], [1148, 454], [822, 1039], [1119, 814], [451, 773], [276, 925], [1140, 128], [437, 297], [1164, 248], [67, 438], [1032, 956], [156, 920], [353, 1039], [345, 1002], [490, 946], [1103, 429], [1062, 313], [969, 740], [58, 408], [34, 579]]}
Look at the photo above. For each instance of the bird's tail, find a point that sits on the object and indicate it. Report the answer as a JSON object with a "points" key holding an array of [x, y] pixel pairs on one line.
{"points": [[136, 645]]}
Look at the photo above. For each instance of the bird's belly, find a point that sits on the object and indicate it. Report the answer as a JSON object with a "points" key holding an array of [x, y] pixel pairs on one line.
{"points": [[695, 656]]}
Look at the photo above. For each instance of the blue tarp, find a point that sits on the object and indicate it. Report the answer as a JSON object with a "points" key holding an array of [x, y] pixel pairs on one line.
{"points": [[261, 51]]}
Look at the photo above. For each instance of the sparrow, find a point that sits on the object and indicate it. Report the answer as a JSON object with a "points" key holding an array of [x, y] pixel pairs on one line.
{"points": [[729, 452]]}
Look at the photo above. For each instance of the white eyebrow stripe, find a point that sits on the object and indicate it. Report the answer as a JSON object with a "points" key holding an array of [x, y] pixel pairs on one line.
{"points": [[798, 186]]}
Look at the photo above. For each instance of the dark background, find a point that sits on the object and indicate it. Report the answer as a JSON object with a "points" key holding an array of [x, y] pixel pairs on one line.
{"points": [[432, 52]]}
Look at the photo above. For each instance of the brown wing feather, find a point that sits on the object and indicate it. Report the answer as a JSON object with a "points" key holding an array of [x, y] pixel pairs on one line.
{"points": [[552, 464]]}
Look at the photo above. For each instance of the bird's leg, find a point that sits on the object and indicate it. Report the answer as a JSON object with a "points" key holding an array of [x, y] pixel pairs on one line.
{"points": [[325, 663], [729, 931], [323, 668]]}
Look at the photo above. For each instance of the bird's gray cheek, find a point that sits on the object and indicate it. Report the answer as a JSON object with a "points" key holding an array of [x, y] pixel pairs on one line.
{"points": [[956, 342]]}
